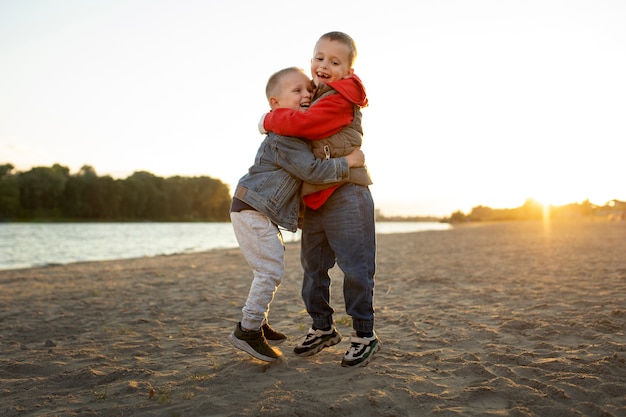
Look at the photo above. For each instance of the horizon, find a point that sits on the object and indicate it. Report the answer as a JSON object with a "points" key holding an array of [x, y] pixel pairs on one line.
{"points": [[379, 211]]}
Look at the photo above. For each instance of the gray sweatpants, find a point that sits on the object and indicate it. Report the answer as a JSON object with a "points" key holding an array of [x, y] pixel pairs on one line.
{"points": [[261, 243]]}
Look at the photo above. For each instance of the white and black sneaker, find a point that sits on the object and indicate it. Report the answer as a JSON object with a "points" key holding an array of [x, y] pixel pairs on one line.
{"points": [[361, 350], [316, 340]]}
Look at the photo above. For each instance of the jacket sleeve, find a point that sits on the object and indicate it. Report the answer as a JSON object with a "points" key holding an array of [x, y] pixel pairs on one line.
{"points": [[294, 156], [324, 118]]}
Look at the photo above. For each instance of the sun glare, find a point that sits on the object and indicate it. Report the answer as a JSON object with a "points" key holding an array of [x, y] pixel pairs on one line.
{"points": [[546, 209], [555, 197]]}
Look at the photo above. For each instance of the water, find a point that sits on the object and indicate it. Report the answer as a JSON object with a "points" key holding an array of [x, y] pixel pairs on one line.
{"points": [[24, 245]]}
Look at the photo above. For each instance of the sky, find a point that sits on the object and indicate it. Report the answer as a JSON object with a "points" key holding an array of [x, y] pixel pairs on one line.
{"points": [[485, 102]]}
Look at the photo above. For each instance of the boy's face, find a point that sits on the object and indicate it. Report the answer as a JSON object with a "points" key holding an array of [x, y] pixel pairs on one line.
{"points": [[294, 93], [330, 62]]}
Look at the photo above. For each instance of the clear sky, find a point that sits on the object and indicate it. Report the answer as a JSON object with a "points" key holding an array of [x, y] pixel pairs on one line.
{"points": [[484, 102]]}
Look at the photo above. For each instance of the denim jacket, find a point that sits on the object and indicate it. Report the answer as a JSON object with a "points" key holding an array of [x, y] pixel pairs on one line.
{"points": [[272, 184]]}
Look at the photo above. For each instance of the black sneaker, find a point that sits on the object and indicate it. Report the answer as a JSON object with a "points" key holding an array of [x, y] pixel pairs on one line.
{"points": [[361, 350], [253, 343], [272, 335], [317, 340]]}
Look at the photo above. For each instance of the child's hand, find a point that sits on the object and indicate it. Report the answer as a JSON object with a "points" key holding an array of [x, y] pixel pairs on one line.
{"points": [[261, 127], [356, 158]]}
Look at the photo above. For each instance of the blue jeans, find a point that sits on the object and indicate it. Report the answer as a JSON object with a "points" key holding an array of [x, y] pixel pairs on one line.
{"points": [[341, 231]]}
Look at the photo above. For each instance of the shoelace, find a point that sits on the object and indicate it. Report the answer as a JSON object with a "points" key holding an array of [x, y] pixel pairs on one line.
{"points": [[309, 337], [354, 348]]}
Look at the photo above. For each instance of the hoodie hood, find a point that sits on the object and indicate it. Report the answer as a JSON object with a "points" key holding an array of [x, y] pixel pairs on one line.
{"points": [[352, 89]]}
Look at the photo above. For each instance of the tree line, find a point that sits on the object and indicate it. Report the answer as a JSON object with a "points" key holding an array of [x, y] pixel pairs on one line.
{"points": [[530, 210], [53, 194]]}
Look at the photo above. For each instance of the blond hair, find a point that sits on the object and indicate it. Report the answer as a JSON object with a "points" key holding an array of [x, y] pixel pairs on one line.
{"points": [[273, 84], [346, 40]]}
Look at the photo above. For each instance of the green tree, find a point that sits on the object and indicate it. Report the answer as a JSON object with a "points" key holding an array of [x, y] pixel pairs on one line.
{"points": [[179, 198], [211, 199], [531, 210], [458, 217], [9, 193], [481, 213], [89, 197], [106, 205], [73, 202], [41, 190], [51, 193], [143, 197]]}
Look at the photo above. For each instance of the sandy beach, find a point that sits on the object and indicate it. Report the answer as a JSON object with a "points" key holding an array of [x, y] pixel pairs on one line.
{"points": [[503, 319]]}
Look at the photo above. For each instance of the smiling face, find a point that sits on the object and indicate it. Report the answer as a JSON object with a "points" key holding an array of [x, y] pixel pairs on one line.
{"points": [[293, 92], [331, 61]]}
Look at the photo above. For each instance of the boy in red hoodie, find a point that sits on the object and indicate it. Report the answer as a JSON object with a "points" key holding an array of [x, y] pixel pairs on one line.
{"points": [[338, 223]]}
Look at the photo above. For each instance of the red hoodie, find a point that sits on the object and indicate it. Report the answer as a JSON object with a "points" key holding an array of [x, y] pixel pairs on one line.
{"points": [[324, 118]]}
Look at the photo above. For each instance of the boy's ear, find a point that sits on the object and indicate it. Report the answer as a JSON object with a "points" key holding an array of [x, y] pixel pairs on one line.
{"points": [[273, 102], [349, 74]]}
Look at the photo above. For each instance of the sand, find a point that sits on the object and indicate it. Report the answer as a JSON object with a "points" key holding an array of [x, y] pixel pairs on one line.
{"points": [[504, 319]]}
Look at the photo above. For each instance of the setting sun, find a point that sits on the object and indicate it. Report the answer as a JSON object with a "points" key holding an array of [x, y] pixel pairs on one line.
{"points": [[548, 199]]}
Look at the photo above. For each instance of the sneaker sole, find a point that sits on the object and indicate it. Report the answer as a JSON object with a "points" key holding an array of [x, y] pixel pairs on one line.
{"points": [[327, 343], [240, 344], [364, 361]]}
